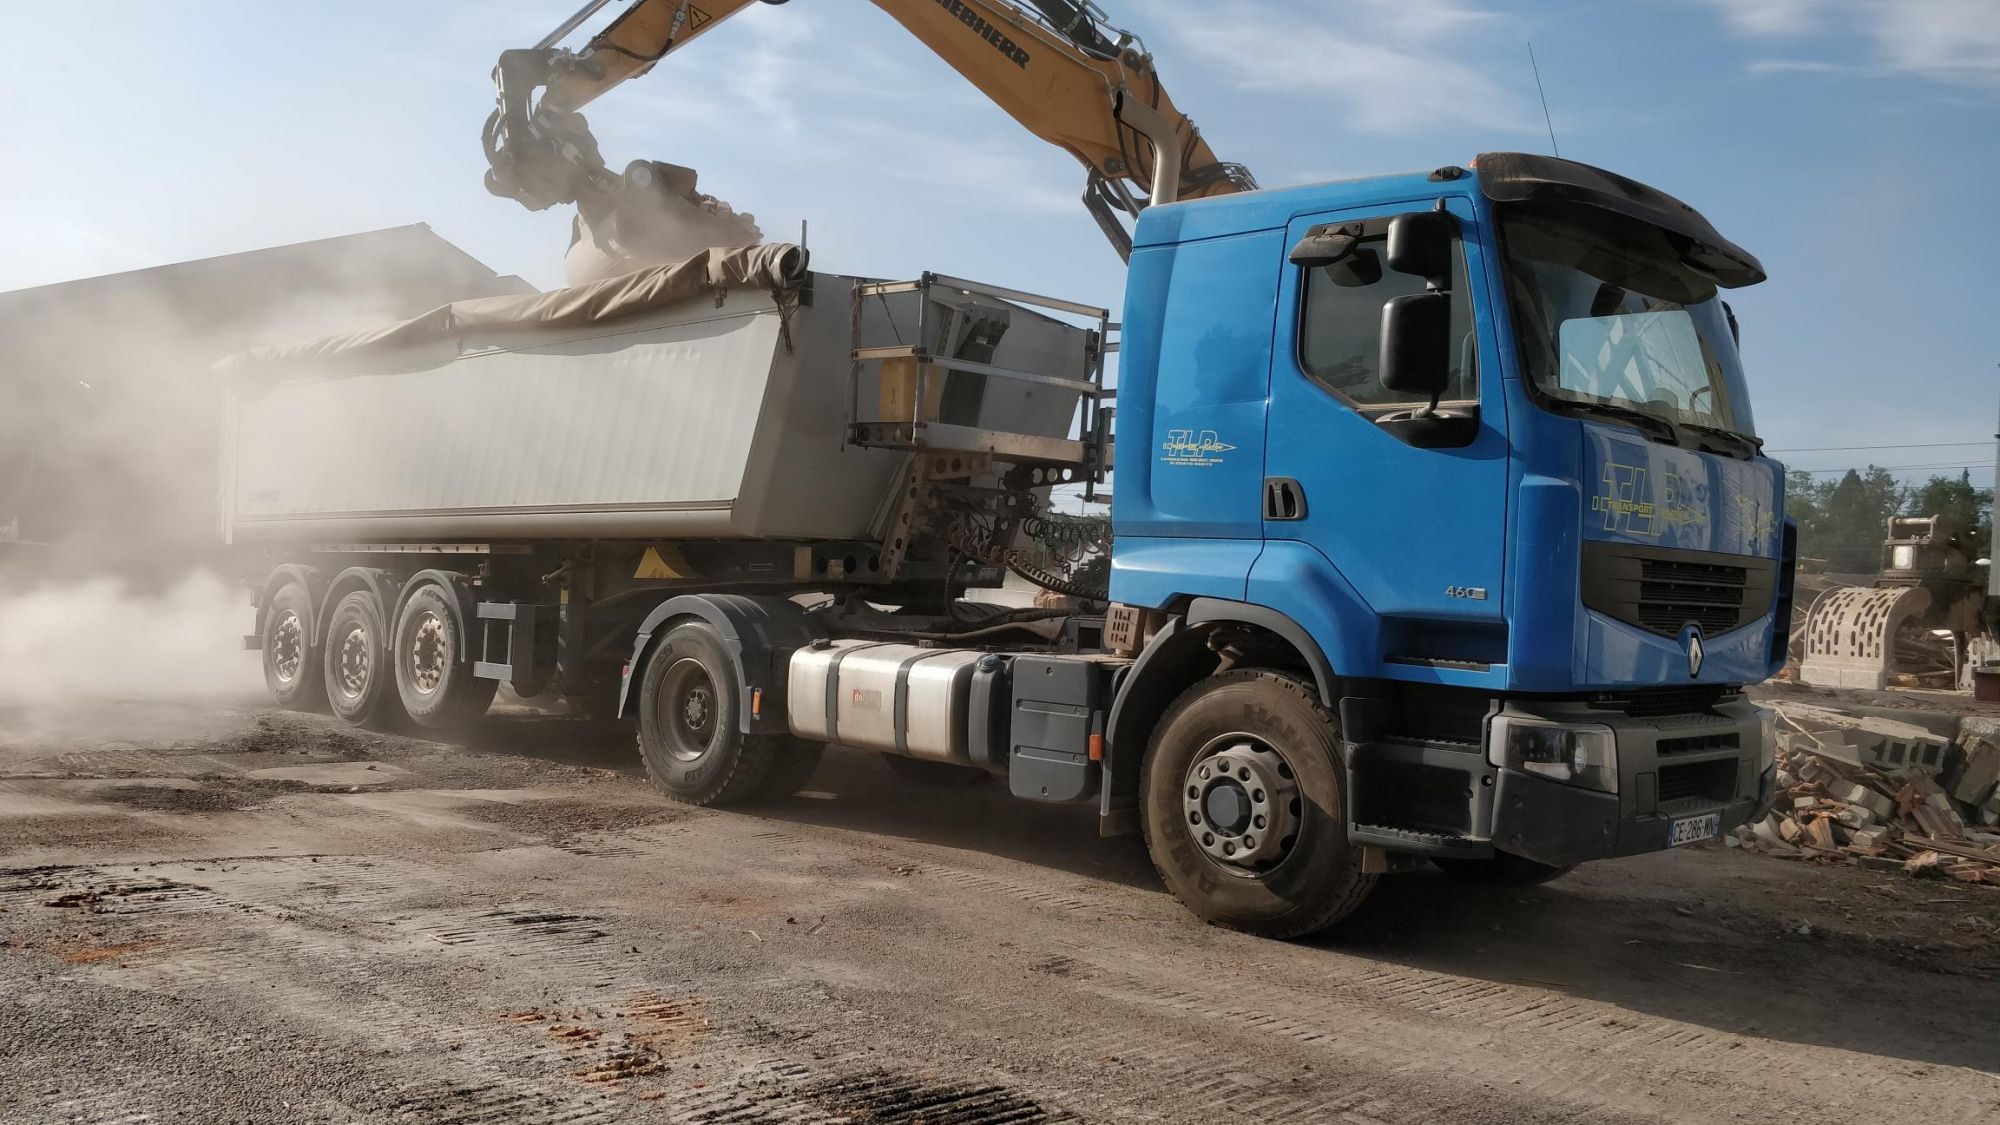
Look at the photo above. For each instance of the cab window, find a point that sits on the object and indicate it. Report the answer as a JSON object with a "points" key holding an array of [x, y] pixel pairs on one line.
{"points": [[1340, 324]]}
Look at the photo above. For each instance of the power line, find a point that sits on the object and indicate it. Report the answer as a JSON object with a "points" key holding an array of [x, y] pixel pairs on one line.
{"points": [[1909, 445], [1898, 468]]}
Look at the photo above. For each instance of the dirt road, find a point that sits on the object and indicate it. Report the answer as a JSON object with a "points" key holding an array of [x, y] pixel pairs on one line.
{"points": [[228, 914]]}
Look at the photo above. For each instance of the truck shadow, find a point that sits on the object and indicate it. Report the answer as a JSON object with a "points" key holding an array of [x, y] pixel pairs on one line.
{"points": [[595, 744], [1742, 946], [855, 790]]}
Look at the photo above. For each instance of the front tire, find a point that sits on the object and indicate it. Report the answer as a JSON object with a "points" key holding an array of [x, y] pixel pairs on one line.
{"points": [[291, 664], [434, 681], [355, 657], [1242, 807], [689, 731]]}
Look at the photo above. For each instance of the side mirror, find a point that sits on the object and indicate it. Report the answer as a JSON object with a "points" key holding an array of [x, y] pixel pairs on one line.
{"points": [[1324, 245], [1735, 331], [1420, 245], [1416, 345]]}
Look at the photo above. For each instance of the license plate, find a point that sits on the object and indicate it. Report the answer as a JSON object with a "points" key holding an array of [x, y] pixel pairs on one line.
{"points": [[1693, 829]]}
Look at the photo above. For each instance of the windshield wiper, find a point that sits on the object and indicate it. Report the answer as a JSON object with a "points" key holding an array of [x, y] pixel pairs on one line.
{"points": [[1661, 427], [1748, 444]]}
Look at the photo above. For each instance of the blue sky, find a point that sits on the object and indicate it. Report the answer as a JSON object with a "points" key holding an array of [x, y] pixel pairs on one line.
{"points": [[1853, 144]]}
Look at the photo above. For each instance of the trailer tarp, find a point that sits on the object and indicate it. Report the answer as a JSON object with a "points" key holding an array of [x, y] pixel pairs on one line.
{"points": [[773, 266]]}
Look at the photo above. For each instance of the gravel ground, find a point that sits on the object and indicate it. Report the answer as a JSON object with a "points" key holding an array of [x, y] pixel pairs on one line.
{"points": [[225, 914]]}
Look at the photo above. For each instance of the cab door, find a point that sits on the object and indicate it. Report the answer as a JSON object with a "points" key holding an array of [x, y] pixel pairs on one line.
{"points": [[1411, 511]]}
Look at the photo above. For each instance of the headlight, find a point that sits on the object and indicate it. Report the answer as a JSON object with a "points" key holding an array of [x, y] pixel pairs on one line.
{"points": [[1903, 557], [1767, 744], [1573, 755]]}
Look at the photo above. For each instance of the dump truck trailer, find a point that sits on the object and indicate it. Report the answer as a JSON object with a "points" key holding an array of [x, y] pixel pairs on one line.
{"points": [[1441, 533]]}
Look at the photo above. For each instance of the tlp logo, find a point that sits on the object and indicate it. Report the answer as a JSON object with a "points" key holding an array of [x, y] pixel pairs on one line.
{"points": [[1691, 640], [1191, 447]]}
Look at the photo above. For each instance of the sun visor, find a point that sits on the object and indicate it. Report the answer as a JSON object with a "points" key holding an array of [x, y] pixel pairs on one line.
{"points": [[1520, 177]]}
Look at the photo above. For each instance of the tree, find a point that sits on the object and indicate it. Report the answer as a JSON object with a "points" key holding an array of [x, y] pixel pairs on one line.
{"points": [[1854, 521], [1970, 507]]}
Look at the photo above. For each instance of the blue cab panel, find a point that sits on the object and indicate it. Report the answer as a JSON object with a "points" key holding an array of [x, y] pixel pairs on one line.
{"points": [[1459, 563]]}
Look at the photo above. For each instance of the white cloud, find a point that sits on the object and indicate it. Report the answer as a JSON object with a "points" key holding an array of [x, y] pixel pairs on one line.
{"points": [[1946, 40], [1385, 59], [1796, 66], [1770, 17]]}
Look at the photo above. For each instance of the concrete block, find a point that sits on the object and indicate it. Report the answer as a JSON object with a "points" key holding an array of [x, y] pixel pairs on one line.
{"points": [[1855, 816], [1943, 724], [1855, 794], [1869, 837], [1979, 772]]}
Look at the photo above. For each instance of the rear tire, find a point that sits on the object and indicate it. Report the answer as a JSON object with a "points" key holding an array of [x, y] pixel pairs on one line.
{"points": [[434, 681], [1242, 807], [356, 660], [688, 723], [1503, 870], [938, 775], [292, 670]]}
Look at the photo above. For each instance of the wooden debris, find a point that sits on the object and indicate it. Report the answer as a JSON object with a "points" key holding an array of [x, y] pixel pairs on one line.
{"points": [[1835, 807]]}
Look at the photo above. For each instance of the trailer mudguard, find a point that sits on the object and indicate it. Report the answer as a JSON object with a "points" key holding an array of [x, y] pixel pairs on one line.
{"points": [[378, 582], [307, 576], [760, 634], [453, 584]]}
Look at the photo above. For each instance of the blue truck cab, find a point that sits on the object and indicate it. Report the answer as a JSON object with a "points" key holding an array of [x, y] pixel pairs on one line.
{"points": [[1472, 452]]}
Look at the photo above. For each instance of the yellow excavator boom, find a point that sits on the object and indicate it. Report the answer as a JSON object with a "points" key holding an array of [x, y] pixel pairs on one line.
{"points": [[1052, 65]]}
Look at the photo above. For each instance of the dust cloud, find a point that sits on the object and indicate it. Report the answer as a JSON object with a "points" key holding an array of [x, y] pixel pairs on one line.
{"points": [[635, 229], [100, 640], [115, 584]]}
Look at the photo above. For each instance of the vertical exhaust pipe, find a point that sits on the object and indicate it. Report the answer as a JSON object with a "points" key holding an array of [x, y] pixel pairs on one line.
{"points": [[1158, 129]]}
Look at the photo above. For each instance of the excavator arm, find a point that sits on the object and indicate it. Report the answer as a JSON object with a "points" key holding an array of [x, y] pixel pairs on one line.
{"points": [[1052, 65]]}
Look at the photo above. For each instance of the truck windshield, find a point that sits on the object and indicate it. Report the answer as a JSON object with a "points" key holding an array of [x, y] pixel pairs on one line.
{"points": [[1610, 315]]}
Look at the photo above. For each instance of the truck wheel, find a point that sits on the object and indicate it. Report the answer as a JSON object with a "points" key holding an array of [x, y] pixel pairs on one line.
{"points": [[291, 663], [793, 764], [688, 734], [1242, 806], [1503, 870], [355, 658], [433, 678], [923, 771]]}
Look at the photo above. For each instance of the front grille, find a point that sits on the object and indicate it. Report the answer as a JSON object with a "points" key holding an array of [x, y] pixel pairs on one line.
{"points": [[1696, 744], [1662, 590], [1660, 703], [1714, 781]]}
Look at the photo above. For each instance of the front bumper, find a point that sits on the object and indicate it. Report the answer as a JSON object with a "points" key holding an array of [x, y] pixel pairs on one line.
{"points": [[1443, 798], [1669, 768]]}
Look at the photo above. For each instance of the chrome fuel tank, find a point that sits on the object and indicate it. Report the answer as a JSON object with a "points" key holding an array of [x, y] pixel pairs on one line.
{"points": [[900, 698]]}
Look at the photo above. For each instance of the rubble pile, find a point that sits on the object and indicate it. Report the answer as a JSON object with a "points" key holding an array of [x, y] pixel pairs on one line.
{"points": [[1883, 793]]}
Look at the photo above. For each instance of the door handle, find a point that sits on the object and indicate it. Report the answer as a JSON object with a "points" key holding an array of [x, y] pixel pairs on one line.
{"points": [[1284, 499]]}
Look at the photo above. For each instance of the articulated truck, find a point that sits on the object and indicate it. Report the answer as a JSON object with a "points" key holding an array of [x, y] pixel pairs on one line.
{"points": [[1440, 529]]}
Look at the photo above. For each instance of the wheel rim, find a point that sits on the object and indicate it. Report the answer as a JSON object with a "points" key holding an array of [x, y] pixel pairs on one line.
{"points": [[429, 654], [1242, 804], [353, 665], [288, 647], [688, 710]]}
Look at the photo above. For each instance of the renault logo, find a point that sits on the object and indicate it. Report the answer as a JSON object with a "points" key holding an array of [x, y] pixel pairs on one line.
{"points": [[1693, 634]]}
